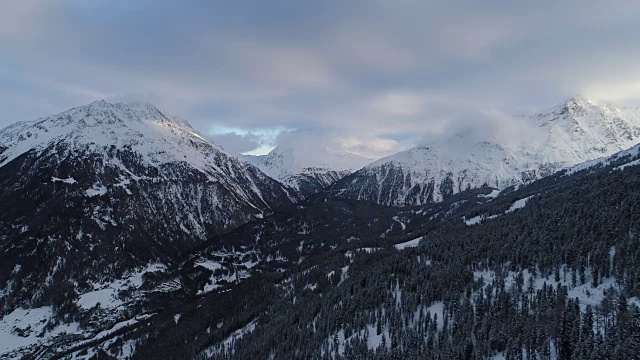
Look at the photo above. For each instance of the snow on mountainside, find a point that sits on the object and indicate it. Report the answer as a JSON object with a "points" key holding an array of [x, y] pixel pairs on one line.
{"points": [[309, 169], [102, 189], [159, 138], [580, 130], [570, 133], [622, 159]]}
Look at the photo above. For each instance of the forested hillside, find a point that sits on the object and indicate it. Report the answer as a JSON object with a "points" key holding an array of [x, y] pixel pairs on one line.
{"points": [[544, 271]]}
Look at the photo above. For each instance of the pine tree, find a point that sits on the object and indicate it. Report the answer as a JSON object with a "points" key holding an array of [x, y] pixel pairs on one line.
{"points": [[565, 350], [585, 348], [634, 341], [594, 277]]}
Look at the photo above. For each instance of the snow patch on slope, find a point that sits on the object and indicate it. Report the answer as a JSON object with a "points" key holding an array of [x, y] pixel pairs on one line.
{"points": [[96, 190], [518, 204], [25, 327], [585, 293], [632, 154], [106, 294], [68, 180], [228, 344], [408, 244]]}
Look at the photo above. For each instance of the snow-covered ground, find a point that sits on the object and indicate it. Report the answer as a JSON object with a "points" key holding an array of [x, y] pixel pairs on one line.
{"points": [[228, 344], [26, 327], [107, 294], [373, 340], [494, 193], [208, 264], [631, 163], [478, 219], [408, 244], [396, 220], [633, 153], [96, 190], [68, 180], [518, 204], [223, 274], [126, 349], [437, 308], [585, 293]]}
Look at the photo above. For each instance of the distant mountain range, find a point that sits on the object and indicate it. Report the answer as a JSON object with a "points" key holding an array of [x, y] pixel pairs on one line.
{"points": [[124, 231], [575, 131], [309, 168], [440, 263]]}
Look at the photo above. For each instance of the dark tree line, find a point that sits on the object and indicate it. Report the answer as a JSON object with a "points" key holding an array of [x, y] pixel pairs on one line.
{"points": [[582, 229], [323, 297]]}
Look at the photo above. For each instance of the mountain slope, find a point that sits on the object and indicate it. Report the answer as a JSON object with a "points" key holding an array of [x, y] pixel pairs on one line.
{"points": [[580, 130], [101, 189], [363, 267], [309, 169], [573, 132], [459, 292], [346, 272]]}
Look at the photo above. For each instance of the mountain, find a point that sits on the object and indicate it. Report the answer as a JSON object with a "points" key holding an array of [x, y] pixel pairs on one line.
{"points": [[252, 159], [355, 278], [309, 168], [442, 280], [620, 160], [575, 131], [100, 190], [487, 291], [581, 129]]}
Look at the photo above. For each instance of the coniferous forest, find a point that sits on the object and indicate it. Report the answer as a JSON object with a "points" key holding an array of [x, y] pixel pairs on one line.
{"points": [[319, 180], [555, 279]]}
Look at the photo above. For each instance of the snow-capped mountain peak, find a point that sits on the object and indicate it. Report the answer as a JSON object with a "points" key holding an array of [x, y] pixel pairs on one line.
{"points": [[572, 132], [291, 160], [112, 187], [309, 168], [158, 137], [581, 129]]}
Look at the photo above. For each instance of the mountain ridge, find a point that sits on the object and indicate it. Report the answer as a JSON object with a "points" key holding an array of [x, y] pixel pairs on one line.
{"points": [[575, 131], [101, 189], [134, 298], [309, 168]]}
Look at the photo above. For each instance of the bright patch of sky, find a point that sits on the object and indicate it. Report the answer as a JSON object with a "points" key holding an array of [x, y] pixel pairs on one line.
{"points": [[266, 139]]}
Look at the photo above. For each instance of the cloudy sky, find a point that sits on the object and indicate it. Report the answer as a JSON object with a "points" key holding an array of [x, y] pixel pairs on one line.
{"points": [[372, 76]]}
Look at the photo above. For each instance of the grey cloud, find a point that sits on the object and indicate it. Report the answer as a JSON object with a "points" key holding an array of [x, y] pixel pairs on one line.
{"points": [[236, 143], [377, 76], [371, 147]]}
